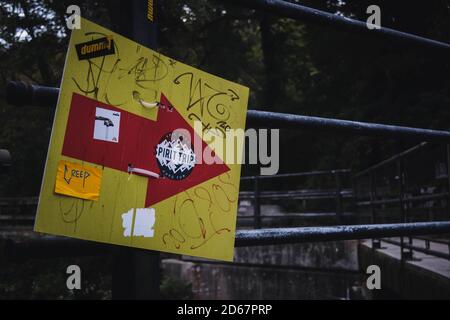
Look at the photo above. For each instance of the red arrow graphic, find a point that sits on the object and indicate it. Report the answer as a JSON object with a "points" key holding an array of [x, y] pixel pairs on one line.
{"points": [[138, 138]]}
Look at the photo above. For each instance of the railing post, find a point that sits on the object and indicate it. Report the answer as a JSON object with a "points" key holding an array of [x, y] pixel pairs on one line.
{"points": [[136, 272], [400, 197], [448, 179], [256, 204], [403, 215], [376, 244], [354, 199], [5, 161], [338, 196]]}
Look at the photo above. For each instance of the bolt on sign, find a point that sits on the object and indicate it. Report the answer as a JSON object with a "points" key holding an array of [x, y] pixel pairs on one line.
{"points": [[125, 162]]}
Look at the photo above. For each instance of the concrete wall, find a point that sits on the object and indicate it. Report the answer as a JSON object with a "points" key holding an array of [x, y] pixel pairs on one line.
{"points": [[342, 255], [325, 270], [219, 281], [416, 279]]}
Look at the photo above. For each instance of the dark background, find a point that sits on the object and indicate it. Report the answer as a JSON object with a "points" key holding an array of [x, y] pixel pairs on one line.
{"points": [[288, 65]]}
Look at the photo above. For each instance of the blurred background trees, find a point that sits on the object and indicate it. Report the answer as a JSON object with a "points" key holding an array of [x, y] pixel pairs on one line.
{"points": [[289, 66]]}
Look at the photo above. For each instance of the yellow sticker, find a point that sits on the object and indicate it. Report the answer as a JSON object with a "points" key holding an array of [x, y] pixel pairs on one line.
{"points": [[79, 181]]}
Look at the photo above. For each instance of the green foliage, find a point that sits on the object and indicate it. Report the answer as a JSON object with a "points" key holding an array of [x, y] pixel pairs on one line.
{"points": [[46, 279], [290, 66], [33, 41], [172, 288]]}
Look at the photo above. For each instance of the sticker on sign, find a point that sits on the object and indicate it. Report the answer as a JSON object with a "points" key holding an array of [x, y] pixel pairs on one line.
{"points": [[107, 125]]}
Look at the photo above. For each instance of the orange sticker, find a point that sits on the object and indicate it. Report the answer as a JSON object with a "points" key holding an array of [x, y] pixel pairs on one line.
{"points": [[79, 181]]}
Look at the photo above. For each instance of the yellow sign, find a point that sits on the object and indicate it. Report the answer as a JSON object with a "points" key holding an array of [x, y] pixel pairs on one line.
{"points": [[79, 181], [154, 131]]}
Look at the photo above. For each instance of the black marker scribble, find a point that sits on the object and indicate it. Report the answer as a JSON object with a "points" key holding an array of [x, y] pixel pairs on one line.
{"points": [[73, 213], [104, 75], [205, 99], [203, 225]]}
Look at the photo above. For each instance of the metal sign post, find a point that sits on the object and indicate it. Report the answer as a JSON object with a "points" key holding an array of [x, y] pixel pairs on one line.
{"points": [[136, 273]]}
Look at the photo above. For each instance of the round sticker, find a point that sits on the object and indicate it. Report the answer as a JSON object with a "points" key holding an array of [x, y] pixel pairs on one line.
{"points": [[175, 156]]}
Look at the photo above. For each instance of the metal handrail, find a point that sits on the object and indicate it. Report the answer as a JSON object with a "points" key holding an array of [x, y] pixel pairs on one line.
{"points": [[335, 233], [298, 174], [54, 247], [419, 249], [396, 200], [270, 120], [394, 158], [303, 13]]}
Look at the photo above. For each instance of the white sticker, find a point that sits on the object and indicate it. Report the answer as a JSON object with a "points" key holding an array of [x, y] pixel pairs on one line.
{"points": [[144, 219], [107, 125], [127, 222], [143, 222]]}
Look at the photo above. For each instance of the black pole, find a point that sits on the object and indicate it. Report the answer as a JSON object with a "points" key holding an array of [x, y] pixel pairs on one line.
{"points": [[275, 120], [336, 233], [52, 247], [302, 13], [373, 196], [392, 159], [256, 204], [405, 255], [447, 149], [425, 250], [338, 199], [20, 94], [298, 174], [5, 160], [136, 272]]}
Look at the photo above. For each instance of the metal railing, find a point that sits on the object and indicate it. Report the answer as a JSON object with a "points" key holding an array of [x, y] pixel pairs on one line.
{"points": [[20, 94], [402, 200], [5, 161], [56, 247], [338, 193], [303, 13], [17, 211], [297, 122], [427, 250]]}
